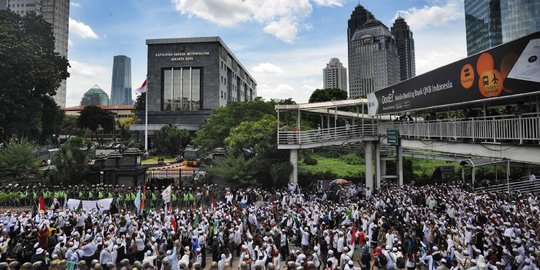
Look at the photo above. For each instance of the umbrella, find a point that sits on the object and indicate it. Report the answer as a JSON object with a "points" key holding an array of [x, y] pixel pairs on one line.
{"points": [[340, 182]]}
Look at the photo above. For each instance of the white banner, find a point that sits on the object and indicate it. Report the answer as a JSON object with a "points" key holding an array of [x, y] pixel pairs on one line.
{"points": [[167, 194], [89, 205], [104, 204], [73, 204]]}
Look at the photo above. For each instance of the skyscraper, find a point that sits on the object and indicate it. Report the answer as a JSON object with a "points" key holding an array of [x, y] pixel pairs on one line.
{"points": [[373, 59], [55, 12], [335, 75], [359, 17], [405, 48], [121, 81], [490, 23]]}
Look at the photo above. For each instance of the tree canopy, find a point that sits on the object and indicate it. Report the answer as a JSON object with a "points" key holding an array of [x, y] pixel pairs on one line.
{"points": [[321, 95], [71, 161], [18, 158], [248, 131], [31, 71], [92, 117], [170, 140], [213, 133]]}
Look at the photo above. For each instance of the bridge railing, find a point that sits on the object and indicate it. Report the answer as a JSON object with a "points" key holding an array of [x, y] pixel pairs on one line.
{"points": [[516, 186], [494, 129], [341, 133]]}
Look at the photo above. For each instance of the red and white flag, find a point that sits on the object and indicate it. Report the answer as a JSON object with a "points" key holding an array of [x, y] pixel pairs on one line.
{"points": [[41, 204], [143, 88]]}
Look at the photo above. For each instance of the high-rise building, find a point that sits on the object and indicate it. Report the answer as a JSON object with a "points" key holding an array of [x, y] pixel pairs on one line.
{"points": [[482, 24], [405, 48], [55, 12], [335, 75], [359, 17], [190, 77], [121, 81], [95, 96], [373, 59], [519, 18], [489, 23]]}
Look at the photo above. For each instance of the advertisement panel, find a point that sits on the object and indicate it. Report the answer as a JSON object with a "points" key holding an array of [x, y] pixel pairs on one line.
{"points": [[509, 69]]}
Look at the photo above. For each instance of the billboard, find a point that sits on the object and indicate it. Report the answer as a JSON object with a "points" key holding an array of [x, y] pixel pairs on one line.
{"points": [[509, 69]]}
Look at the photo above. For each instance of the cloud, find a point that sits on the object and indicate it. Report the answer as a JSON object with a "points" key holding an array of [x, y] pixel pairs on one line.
{"points": [[279, 18], [75, 4], [82, 30], [327, 3], [434, 15], [267, 69], [82, 77]]}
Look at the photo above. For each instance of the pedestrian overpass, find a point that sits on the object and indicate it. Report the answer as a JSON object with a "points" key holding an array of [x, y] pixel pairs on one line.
{"points": [[453, 110], [515, 138]]}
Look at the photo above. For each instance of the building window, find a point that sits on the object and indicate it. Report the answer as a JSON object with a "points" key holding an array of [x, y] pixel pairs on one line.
{"points": [[182, 89]]}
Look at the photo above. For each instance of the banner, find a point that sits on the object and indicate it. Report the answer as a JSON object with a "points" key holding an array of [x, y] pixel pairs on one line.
{"points": [[507, 70], [89, 205], [73, 204], [104, 204], [166, 194]]}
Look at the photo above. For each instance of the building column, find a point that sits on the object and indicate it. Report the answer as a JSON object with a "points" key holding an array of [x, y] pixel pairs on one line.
{"points": [[400, 165], [293, 177], [369, 165], [378, 173]]}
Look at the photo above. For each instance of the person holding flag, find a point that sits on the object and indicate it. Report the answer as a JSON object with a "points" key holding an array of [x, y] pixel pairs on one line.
{"points": [[138, 202], [166, 194]]}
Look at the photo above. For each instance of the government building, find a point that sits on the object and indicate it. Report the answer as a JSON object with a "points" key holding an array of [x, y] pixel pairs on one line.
{"points": [[190, 77]]}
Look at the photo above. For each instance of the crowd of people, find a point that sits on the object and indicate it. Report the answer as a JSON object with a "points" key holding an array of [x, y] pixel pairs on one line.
{"points": [[428, 227]]}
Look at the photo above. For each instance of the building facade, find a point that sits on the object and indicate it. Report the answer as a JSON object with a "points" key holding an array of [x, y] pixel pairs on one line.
{"points": [[373, 59], [56, 12], [405, 48], [335, 75], [190, 77], [489, 23], [95, 96], [121, 81]]}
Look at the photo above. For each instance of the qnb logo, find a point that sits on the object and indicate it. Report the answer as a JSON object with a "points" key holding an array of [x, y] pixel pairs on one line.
{"points": [[389, 98]]}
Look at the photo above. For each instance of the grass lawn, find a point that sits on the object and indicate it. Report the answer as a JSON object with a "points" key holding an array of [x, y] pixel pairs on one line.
{"points": [[332, 165], [154, 160], [427, 166]]}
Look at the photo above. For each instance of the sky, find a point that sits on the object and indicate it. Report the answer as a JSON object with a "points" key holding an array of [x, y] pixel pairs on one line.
{"points": [[284, 44]]}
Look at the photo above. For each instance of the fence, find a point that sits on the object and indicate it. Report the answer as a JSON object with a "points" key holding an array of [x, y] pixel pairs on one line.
{"points": [[523, 128], [341, 133]]}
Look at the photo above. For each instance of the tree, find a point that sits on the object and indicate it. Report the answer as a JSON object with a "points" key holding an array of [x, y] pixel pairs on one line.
{"points": [[170, 140], [259, 136], [236, 169], [30, 70], [18, 158], [140, 103], [329, 94], [212, 134], [52, 119], [71, 161], [92, 117]]}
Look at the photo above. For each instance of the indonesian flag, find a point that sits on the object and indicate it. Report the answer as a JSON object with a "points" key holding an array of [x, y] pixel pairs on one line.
{"points": [[41, 203], [143, 88]]}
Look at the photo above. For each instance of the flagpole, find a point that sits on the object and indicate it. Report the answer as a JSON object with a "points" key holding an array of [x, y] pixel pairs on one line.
{"points": [[146, 119]]}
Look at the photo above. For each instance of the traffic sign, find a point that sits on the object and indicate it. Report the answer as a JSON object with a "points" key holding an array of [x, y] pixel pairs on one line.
{"points": [[392, 137]]}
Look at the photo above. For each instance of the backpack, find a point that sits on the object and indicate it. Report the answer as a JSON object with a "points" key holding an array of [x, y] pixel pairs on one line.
{"points": [[382, 261], [400, 262]]}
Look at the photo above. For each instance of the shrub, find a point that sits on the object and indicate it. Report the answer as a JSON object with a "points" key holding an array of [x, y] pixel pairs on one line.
{"points": [[351, 159]]}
